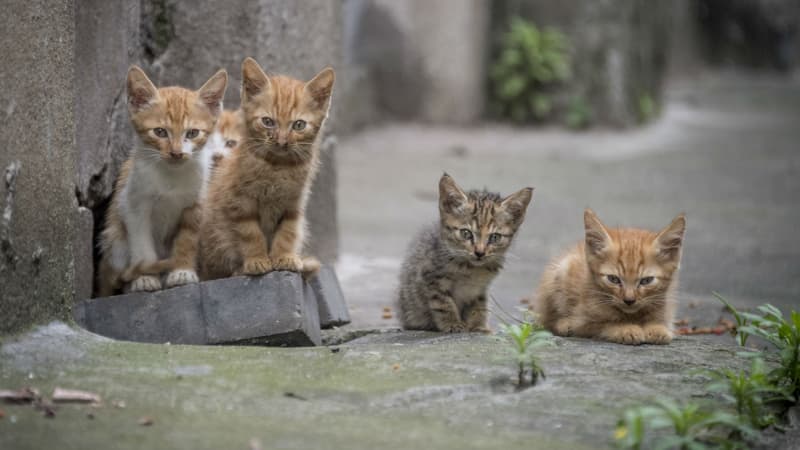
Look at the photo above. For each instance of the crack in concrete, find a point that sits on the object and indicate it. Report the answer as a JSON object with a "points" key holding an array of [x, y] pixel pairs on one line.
{"points": [[6, 244]]}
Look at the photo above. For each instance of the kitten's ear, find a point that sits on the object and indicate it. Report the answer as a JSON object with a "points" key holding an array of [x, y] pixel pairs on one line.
{"points": [[668, 242], [320, 87], [516, 204], [213, 91], [254, 80], [141, 91], [451, 198], [597, 237]]}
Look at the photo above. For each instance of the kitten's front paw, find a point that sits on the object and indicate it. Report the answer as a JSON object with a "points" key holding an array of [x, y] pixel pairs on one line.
{"points": [[179, 277], [480, 329], [562, 327], [256, 266], [657, 334], [457, 327], [145, 283], [291, 263], [626, 334]]}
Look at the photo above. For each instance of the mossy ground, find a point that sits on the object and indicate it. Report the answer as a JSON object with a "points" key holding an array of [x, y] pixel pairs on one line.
{"points": [[393, 390]]}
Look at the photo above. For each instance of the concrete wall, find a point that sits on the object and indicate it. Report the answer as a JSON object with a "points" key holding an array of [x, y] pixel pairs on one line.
{"points": [[66, 131], [417, 59], [620, 49], [37, 161]]}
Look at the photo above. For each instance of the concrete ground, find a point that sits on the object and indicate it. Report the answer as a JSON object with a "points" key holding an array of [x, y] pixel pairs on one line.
{"points": [[726, 152]]}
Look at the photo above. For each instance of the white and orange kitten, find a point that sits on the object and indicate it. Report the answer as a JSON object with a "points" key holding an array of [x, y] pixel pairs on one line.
{"points": [[154, 214]]}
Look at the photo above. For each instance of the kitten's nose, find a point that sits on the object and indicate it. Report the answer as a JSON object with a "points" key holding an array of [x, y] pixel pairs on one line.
{"points": [[479, 254], [629, 301], [176, 154]]}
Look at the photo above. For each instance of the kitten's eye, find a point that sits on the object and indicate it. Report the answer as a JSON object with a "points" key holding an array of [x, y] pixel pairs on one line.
{"points": [[466, 234], [614, 279], [495, 238], [268, 122], [191, 134], [230, 144], [160, 132], [299, 125], [645, 281]]}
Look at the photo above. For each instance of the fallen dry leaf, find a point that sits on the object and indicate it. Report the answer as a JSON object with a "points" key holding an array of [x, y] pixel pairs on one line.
{"points": [[387, 309], [146, 421], [395, 367], [61, 395], [386, 315], [524, 301], [24, 395]]}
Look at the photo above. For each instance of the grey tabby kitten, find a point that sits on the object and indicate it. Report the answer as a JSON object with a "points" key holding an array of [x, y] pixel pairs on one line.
{"points": [[446, 274]]}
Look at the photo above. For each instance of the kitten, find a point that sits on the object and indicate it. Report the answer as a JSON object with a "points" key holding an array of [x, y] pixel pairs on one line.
{"points": [[446, 274], [253, 221], [617, 285], [225, 138], [154, 213]]}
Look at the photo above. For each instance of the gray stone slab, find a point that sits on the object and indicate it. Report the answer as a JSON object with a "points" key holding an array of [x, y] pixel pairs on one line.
{"points": [[174, 315], [330, 300], [276, 309]]}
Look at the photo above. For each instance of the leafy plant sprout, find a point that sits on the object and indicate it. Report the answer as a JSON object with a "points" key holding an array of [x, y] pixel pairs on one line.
{"points": [[691, 427], [783, 333], [749, 392], [525, 338], [531, 61]]}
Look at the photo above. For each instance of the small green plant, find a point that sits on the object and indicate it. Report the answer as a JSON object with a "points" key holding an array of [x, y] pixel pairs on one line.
{"points": [[647, 107], [525, 338], [579, 114], [783, 333], [749, 392], [530, 62], [741, 322], [689, 427]]}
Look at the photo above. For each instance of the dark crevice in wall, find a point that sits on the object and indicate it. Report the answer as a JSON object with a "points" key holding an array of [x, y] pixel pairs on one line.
{"points": [[10, 257], [157, 28]]}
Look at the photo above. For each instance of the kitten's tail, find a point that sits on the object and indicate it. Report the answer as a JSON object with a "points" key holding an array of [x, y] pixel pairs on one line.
{"points": [[311, 267]]}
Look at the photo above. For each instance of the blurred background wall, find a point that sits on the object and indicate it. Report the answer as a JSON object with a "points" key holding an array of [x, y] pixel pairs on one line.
{"points": [[65, 131]]}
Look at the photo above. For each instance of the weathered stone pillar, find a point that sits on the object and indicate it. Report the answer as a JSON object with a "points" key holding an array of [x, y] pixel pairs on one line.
{"points": [[620, 50], [38, 209], [424, 59]]}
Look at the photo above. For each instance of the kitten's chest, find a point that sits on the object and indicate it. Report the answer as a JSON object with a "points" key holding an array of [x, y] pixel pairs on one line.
{"points": [[469, 286]]}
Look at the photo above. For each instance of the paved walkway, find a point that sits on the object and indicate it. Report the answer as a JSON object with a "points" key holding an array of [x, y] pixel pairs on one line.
{"points": [[726, 151]]}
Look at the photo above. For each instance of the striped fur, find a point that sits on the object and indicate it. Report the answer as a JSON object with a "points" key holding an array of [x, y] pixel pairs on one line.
{"points": [[449, 266]]}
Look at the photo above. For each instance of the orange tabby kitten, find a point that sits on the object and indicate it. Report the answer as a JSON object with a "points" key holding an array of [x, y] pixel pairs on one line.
{"points": [[225, 139], [617, 286], [154, 213], [253, 221]]}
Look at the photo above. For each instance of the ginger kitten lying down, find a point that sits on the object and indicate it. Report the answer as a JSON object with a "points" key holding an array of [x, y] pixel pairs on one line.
{"points": [[617, 286]]}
